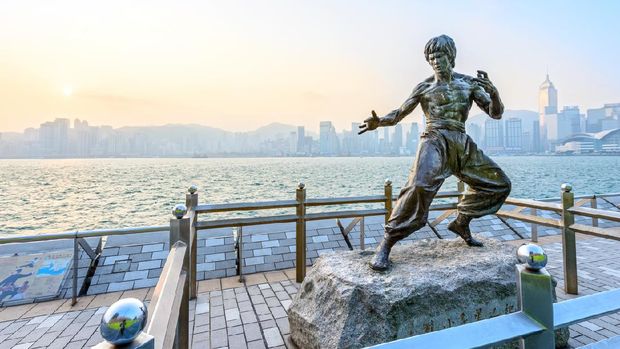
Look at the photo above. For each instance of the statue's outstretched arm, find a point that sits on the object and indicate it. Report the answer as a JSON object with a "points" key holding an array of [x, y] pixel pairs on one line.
{"points": [[395, 116]]}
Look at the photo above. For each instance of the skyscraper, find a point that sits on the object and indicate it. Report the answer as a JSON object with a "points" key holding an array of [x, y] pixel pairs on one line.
{"points": [[328, 141], [514, 135], [494, 135], [397, 140], [547, 108], [301, 137]]}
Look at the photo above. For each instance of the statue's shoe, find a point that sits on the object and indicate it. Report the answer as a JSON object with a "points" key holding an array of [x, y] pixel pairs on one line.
{"points": [[381, 261], [464, 233]]}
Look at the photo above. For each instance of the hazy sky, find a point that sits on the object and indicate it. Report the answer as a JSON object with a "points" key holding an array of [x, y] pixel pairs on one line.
{"points": [[240, 65]]}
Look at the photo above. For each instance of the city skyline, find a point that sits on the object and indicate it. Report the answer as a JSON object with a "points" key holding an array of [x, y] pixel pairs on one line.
{"points": [[239, 65]]}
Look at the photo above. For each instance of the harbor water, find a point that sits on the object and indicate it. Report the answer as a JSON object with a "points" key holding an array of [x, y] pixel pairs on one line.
{"points": [[51, 195]]}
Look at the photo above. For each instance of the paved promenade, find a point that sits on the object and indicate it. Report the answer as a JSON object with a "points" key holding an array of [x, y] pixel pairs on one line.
{"points": [[228, 314]]}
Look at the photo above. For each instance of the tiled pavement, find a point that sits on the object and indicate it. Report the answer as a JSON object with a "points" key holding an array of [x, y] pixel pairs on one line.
{"points": [[228, 314]]}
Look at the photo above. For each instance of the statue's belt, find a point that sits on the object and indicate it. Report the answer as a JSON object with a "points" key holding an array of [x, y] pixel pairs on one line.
{"points": [[445, 125]]}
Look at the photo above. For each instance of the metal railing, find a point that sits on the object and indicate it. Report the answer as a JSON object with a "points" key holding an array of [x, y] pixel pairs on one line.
{"points": [[533, 325], [567, 209], [301, 216], [168, 312]]}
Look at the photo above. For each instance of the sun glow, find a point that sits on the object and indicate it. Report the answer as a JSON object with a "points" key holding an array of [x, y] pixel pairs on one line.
{"points": [[67, 91]]}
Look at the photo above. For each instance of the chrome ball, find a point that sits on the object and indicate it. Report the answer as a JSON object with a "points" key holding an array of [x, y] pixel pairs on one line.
{"points": [[192, 189], [566, 187], [533, 256], [301, 185], [123, 321], [179, 211], [388, 182]]}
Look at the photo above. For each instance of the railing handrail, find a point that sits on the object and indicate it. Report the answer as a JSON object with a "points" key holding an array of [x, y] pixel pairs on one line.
{"points": [[482, 333], [82, 234], [595, 213], [166, 302], [505, 328]]}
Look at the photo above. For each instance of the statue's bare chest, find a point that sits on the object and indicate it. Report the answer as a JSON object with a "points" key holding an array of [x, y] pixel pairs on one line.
{"points": [[445, 94]]}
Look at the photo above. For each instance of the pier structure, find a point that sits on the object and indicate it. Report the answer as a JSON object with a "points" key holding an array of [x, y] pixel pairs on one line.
{"points": [[204, 257]]}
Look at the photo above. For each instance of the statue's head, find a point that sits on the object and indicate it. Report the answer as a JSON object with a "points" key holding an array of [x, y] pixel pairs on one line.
{"points": [[440, 51]]}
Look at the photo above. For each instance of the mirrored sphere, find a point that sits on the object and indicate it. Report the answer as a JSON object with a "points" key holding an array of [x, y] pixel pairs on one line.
{"points": [[123, 321], [179, 211], [533, 256], [192, 189]]}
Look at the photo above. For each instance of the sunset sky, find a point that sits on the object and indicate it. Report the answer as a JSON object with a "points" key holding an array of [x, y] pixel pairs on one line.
{"points": [[240, 65]]}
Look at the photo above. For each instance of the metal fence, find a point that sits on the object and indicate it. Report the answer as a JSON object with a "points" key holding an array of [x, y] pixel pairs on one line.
{"points": [[533, 325]]}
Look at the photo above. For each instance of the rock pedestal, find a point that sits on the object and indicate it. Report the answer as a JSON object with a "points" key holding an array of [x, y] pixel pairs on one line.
{"points": [[431, 285]]}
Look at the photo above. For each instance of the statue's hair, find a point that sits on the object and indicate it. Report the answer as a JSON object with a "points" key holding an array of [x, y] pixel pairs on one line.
{"points": [[442, 43]]}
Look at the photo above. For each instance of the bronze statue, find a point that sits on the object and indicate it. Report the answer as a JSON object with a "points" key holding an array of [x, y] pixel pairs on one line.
{"points": [[444, 150]]}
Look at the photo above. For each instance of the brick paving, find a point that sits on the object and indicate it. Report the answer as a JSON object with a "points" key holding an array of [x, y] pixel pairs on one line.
{"points": [[229, 314]]}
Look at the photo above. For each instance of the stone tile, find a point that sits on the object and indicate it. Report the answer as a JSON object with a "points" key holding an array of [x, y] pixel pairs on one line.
{"points": [[209, 285], [135, 275], [105, 299], [120, 286], [149, 265], [273, 337], [275, 276], [153, 247], [15, 312]]}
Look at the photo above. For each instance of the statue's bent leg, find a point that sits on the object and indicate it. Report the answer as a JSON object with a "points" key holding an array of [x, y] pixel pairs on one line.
{"points": [[410, 212], [489, 188]]}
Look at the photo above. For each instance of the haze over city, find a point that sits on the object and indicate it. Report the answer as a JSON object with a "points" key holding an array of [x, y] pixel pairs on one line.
{"points": [[242, 65]]}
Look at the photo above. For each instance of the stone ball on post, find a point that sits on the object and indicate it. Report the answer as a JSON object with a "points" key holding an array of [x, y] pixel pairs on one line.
{"points": [[123, 321], [533, 256], [192, 189], [179, 211]]}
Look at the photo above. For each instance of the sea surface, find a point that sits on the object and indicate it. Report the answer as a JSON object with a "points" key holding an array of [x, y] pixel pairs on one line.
{"points": [[38, 196]]}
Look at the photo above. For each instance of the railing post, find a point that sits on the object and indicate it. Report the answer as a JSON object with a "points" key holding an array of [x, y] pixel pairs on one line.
{"points": [[191, 201], [300, 233], [460, 187], [593, 205], [362, 234], [569, 248], [180, 231], [387, 188], [535, 299], [534, 229], [76, 257]]}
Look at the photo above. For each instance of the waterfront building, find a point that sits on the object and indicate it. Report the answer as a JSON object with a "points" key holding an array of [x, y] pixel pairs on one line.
{"points": [[397, 140], [54, 137], [494, 135], [328, 139], [605, 118], [514, 135], [412, 138], [607, 141], [547, 109], [301, 137], [474, 131]]}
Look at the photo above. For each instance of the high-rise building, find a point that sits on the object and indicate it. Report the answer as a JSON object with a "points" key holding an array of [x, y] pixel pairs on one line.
{"points": [[301, 137], [569, 122], [328, 140], [514, 135], [54, 137], [397, 140], [412, 138], [536, 146], [494, 135], [547, 108], [474, 131]]}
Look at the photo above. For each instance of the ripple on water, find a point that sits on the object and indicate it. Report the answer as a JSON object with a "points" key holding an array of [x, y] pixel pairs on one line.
{"points": [[103, 193]]}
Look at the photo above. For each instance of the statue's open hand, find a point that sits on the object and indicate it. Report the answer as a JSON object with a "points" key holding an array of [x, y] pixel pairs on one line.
{"points": [[483, 81], [370, 124]]}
